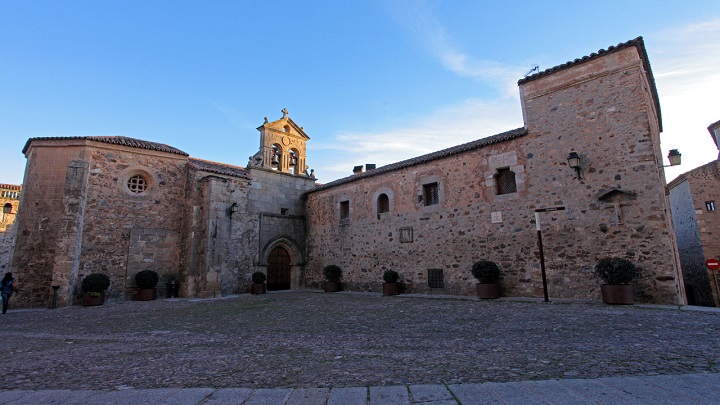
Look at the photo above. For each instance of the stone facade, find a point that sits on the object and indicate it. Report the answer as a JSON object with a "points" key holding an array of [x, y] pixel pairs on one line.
{"points": [[694, 197], [118, 205], [604, 108], [10, 201]]}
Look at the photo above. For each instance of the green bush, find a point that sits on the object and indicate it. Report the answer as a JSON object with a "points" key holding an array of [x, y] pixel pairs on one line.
{"points": [[146, 279], [616, 271], [95, 283], [391, 276], [486, 272], [332, 273], [258, 277]]}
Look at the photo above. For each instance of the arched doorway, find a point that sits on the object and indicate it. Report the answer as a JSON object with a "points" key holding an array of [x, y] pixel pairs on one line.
{"points": [[278, 271]]}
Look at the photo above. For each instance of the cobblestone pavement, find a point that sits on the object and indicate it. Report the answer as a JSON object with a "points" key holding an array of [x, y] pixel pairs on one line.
{"points": [[317, 340]]}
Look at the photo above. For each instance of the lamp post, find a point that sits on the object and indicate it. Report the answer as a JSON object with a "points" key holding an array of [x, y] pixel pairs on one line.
{"points": [[540, 246]]}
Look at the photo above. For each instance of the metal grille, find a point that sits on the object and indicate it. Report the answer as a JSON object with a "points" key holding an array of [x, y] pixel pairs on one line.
{"points": [[435, 278], [430, 193], [505, 182], [137, 184]]}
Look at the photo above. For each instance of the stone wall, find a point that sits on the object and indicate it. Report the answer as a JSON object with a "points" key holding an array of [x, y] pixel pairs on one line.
{"points": [[276, 200], [692, 258], [696, 225], [617, 208], [79, 216], [10, 195]]}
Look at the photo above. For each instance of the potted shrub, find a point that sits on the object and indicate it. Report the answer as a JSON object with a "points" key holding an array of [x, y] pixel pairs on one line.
{"points": [[93, 287], [146, 281], [391, 285], [332, 274], [487, 274], [258, 283], [617, 274]]}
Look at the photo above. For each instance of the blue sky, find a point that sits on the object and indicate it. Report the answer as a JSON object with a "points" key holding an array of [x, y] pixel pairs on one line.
{"points": [[371, 81]]}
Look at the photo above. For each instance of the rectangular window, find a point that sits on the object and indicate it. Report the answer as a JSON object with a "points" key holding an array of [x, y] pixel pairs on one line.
{"points": [[435, 278], [344, 210], [505, 180], [430, 194], [710, 205]]}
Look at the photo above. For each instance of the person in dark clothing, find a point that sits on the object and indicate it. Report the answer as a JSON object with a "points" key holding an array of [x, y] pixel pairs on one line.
{"points": [[7, 287]]}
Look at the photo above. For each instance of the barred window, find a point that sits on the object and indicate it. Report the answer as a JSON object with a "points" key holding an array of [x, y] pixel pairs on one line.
{"points": [[710, 205], [430, 194], [383, 204], [137, 184], [505, 181], [435, 278]]}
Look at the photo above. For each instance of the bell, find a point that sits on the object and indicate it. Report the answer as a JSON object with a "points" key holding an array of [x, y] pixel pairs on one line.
{"points": [[293, 160], [274, 161]]}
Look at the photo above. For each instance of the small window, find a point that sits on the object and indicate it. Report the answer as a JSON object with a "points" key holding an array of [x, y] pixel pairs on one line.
{"points": [[435, 278], [137, 184], [505, 180], [383, 204], [430, 194], [344, 210], [7, 208], [710, 205], [406, 234], [283, 211]]}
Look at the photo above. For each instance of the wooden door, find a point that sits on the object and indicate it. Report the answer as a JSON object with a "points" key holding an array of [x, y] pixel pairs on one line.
{"points": [[278, 273]]}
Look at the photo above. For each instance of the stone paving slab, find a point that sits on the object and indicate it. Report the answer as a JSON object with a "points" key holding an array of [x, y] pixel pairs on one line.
{"points": [[655, 390], [343, 396]]}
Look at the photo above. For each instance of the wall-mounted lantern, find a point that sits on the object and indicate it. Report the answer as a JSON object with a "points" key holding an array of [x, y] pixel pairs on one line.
{"points": [[232, 209], [675, 157], [574, 162]]}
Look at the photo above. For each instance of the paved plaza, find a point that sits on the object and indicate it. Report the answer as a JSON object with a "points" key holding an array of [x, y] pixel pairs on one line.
{"points": [[316, 348]]}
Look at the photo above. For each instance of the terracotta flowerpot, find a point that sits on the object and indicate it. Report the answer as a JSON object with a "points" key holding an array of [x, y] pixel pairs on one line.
{"points": [[617, 294], [257, 289], [146, 294], [91, 301], [332, 286], [487, 291], [391, 288]]}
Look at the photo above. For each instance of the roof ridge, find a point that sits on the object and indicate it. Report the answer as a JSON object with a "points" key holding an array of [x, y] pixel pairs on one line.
{"points": [[443, 153], [113, 139]]}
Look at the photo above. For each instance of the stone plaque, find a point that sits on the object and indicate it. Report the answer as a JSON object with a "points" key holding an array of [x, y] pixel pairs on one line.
{"points": [[496, 217]]}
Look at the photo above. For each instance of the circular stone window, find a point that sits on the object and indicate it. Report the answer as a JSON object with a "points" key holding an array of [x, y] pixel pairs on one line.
{"points": [[137, 184]]}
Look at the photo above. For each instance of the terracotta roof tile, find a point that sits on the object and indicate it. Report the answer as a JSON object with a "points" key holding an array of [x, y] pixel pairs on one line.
{"points": [[218, 168], [505, 136], [116, 140]]}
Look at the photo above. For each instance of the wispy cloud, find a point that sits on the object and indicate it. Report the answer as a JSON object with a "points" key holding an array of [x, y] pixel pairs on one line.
{"points": [[417, 17], [452, 125]]}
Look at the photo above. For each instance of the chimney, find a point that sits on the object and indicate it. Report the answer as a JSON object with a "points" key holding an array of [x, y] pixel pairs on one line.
{"points": [[357, 169], [369, 166]]}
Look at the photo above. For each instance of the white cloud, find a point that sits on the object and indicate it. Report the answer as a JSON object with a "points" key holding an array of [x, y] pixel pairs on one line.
{"points": [[418, 18], [685, 61], [449, 126]]}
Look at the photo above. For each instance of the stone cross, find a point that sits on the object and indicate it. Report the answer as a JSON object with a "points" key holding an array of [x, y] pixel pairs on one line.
{"points": [[285, 112]]}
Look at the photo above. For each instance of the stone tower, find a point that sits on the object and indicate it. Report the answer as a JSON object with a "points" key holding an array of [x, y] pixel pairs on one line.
{"points": [[282, 146]]}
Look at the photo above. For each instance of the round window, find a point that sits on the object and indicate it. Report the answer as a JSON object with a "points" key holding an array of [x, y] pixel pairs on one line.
{"points": [[137, 184]]}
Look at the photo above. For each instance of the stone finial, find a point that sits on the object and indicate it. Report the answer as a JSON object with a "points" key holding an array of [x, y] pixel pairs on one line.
{"points": [[285, 112], [266, 121]]}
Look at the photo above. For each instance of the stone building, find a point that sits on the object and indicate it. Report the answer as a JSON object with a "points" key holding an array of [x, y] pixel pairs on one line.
{"points": [[10, 200], [118, 205], [431, 217], [693, 198]]}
